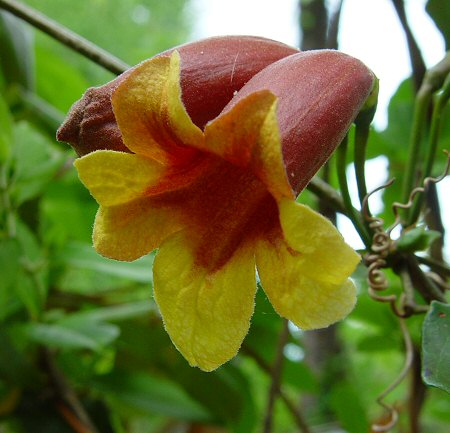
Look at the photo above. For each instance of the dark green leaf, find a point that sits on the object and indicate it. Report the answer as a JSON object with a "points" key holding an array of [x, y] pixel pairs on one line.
{"points": [[36, 161], [57, 82], [16, 51], [436, 346], [417, 239], [73, 335], [440, 13], [5, 131], [83, 256], [114, 313], [10, 266], [348, 407], [146, 393], [9, 259]]}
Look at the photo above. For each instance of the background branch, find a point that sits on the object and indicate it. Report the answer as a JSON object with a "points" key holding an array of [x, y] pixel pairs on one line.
{"points": [[276, 376], [295, 412], [65, 36], [417, 62]]}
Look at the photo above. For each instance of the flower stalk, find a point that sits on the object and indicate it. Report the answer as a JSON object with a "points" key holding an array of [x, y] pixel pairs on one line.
{"points": [[352, 213]]}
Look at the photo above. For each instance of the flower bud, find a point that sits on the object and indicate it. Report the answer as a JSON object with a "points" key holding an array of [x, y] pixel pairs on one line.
{"points": [[212, 70], [319, 95]]}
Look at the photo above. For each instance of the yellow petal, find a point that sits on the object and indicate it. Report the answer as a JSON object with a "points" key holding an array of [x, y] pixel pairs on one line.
{"points": [[207, 314], [129, 231], [309, 303], [247, 136], [150, 113], [324, 255], [114, 178]]}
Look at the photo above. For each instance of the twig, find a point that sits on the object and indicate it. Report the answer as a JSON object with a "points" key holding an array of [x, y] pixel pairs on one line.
{"points": [[425, 286], [333, 27], [408, 361], [417, 62], [433, 80], [276, 376], [66, 393], [440, 267], [65, 36], [313, 24], [326, 192], [295, 411], [72, 419], [417, 393]]}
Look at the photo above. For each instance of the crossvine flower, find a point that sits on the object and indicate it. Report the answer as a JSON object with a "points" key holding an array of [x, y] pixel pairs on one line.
{"points": [[188, 154]]}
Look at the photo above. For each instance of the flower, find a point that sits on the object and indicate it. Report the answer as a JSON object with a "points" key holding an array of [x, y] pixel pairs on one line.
{"points": [[218, 199], [212, 70]]}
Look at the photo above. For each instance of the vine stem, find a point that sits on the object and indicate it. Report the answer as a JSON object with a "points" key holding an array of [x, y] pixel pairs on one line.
{"points": [[276, 376], [65, 36], [440, 102], [354, 215], [297, 415], [434, 79]]}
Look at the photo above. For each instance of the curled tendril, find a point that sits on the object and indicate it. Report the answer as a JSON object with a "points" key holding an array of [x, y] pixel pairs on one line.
{"points": [[393, 414], [380, 248], [382, 243], [418, 190]]}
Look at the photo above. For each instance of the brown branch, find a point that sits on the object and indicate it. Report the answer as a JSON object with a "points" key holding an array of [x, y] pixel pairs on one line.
{"points": [[417, 392], [72, 419], [424, 285], [65, 36], [437, 266], [433, 219], [333, 28], [295, 412], [324, 191], [276, 376], [417, 62], [313, 24], [68, 396]]}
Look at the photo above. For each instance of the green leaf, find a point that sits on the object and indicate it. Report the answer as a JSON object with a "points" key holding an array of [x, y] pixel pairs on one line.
{"points": [[57, 81], [143, 392], [83, 256], [346, 403], [114, 313], [31, 280], [16, 51], [440, 13], [10, 261], [225, 393], [36, 161], [73, 335], [436, 346], [5, 130], [9, 258], [417, 239]]}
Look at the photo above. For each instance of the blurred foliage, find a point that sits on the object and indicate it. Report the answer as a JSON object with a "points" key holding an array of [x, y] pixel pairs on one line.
{"points": [[74, 325]]}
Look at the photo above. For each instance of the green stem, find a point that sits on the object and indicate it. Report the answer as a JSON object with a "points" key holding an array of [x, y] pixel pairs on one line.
{"points": [[419, 120], [352, 213], [440, 102], [65, 36], [361, 137], [10, 222], [434, 79], [362, 130], [435, 265], [325, 191]]}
